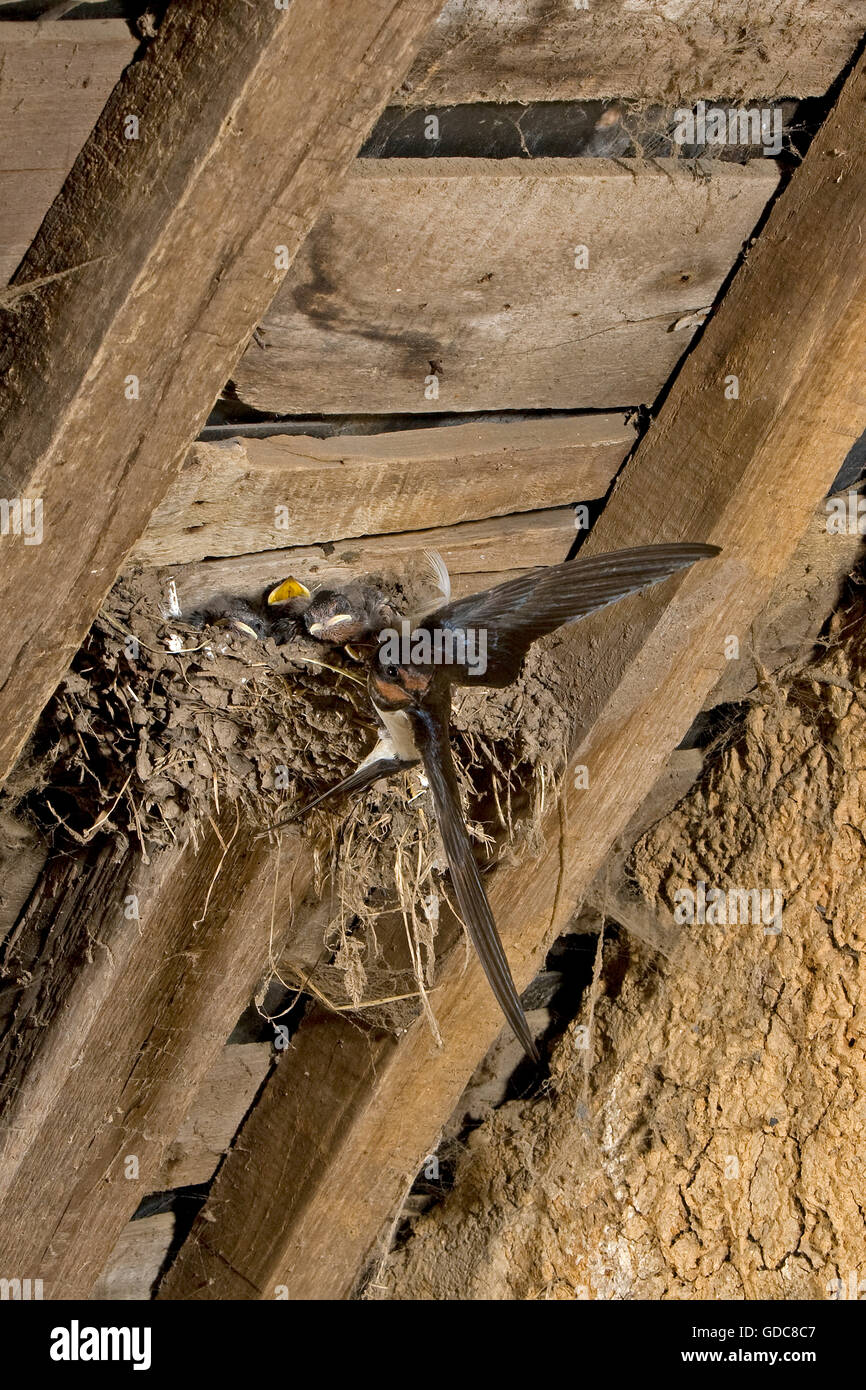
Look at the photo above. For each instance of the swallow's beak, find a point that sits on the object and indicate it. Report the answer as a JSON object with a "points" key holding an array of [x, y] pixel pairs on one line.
{"points": [[240, 626], [316, 628], [289, 589]]}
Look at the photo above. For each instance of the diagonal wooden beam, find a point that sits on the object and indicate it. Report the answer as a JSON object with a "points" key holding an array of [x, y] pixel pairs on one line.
{"points": [[300, 1203], [217, 148], [121, 983]]}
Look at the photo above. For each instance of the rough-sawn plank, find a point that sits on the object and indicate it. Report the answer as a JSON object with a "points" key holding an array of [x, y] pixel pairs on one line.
{"points": [[246, 495], [464, 270]]}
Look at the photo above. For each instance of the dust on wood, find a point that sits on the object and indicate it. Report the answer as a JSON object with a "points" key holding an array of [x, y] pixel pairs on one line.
{"points": [[654, 50]]}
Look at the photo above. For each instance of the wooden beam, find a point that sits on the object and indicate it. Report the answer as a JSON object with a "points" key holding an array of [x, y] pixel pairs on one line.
{"points": [[465, 270], [745, 472], [535, 50], [136, 1260], [246, 495], [164, 253], [54, 81], [212, 1121], [111, 1023], [474, 547]]}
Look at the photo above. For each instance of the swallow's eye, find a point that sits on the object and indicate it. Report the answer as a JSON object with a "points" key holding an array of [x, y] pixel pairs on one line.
{"points": [[390, 671]]}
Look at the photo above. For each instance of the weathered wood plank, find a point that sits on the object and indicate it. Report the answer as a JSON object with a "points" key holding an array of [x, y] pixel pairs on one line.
{"points": [[246, 495], [746, 473], [464, 270], [136, 1259], [55, 77], [555, 50], [473, 547], [165, 253], [54, 81], [220, 1104]]}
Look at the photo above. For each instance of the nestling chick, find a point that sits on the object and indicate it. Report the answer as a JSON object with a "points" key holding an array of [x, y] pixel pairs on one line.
{"points": [[356, 613], [285, 606], [235, 613]]}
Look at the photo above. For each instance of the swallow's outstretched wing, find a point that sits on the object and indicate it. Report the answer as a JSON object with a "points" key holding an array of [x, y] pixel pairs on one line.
{"points": [[515, 614], [431, 735]]}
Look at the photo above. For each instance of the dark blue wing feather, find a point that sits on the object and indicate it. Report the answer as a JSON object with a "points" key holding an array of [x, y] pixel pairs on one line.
{"points": [[515, 614]]}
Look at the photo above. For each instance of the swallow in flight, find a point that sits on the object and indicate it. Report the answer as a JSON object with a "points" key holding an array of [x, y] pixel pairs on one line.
{"points": [[412, 701]]}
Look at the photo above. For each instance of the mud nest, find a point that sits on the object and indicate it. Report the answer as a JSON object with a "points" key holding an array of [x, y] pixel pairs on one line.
{"points": [[144, 741], [159, 725]]}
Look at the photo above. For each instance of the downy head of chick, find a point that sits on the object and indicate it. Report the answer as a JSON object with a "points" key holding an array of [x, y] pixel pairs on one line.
{"points": [[285, 607], [354, 615]]}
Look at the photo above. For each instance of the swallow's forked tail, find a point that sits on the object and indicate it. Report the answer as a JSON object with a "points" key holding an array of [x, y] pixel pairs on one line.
{"points": [[432, 739]]}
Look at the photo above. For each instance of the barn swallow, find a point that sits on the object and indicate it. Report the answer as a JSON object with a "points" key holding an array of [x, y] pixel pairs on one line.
{"points": [[412, 699], [351, 616], [235, 613]]}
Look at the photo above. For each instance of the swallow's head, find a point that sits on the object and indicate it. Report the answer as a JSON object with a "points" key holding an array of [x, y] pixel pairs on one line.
{"points": [[335, 617], [394, 687], [227, 612]]}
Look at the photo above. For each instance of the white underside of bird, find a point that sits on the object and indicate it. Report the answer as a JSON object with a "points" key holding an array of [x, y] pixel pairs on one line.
{"points": [[396, 740]]}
